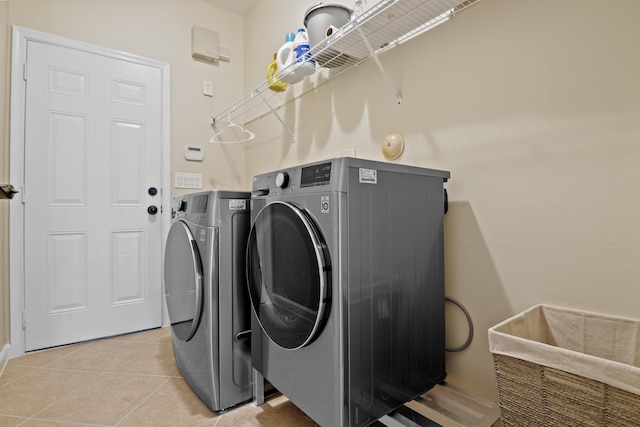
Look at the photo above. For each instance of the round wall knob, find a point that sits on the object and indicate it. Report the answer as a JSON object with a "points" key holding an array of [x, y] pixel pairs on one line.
{"points": [[392, 146]]}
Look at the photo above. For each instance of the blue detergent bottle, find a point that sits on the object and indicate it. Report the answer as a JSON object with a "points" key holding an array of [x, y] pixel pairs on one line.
{"points": [[305, 65]]}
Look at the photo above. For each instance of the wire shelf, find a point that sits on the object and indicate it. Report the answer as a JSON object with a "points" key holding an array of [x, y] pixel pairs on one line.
{"points": [[385, 25]]}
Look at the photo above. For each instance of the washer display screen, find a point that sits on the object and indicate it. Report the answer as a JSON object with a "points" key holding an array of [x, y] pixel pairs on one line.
{"points": [[313, 176]]}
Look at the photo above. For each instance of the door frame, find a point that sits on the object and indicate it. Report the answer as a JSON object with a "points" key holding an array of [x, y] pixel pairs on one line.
{"points": [[20, 37]]}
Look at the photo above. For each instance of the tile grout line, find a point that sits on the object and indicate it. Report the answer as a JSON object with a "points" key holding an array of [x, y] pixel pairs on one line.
{"points": [[35, 370], [142, 402], [35, 416], [44, 368], [82, 344], [53, 368]]}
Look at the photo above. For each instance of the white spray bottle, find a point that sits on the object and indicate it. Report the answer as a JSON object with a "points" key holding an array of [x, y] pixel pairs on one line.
{"points": [[285, 59]]}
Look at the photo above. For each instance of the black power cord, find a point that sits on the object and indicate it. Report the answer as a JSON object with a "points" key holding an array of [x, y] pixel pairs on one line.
{"points": [[468, 316]]}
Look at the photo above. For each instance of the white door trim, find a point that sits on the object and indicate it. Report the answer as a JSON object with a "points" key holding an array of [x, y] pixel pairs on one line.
{"points": [[17, 124]]}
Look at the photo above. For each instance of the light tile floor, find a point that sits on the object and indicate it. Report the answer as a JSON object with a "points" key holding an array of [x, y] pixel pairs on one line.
{"points": [[130, 380]]}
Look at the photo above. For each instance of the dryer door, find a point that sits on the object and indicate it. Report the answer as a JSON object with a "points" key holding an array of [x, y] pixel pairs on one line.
{"points": [[289, 273], [183, 281]]}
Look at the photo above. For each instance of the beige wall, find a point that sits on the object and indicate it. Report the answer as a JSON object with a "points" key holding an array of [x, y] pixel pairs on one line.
{"points": [[157, 29], [534, 107]]}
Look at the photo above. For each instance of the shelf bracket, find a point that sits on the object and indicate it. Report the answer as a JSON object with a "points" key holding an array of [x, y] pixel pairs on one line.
{"points": [[275, 113], [395, 91]]}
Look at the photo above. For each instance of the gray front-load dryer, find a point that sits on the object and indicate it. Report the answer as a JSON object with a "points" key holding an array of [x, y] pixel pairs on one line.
{"points": [[206, 295], [346, 278]]}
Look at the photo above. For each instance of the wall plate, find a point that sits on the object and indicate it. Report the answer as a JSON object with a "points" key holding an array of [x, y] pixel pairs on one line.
{"points": [[188, 180]]}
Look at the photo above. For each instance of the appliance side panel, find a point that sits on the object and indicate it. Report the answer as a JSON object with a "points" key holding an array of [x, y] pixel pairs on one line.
{"points": [[395, 290], [233, 305]]}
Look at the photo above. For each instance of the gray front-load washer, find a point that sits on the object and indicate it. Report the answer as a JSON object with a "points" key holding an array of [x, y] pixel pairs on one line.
{"points": [[206, 295], [346, 278]]}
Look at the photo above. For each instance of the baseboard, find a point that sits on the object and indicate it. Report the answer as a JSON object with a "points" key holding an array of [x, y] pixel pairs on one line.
{"points": [[4, 357]]}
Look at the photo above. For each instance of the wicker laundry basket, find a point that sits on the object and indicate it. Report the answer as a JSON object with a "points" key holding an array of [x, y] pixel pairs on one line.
{"points": [[561, 367]]}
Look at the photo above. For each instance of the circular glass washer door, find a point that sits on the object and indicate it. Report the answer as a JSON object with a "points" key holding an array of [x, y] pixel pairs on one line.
{"points": [[183, 281], [288, 273]]}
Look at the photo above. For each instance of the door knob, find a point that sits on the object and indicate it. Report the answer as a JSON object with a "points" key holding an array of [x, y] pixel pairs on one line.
{"points": [[152, 191], [152, 210]]}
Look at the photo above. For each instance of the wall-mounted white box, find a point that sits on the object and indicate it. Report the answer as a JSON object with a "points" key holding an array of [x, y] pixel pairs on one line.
{"points": [[194, 154], [205, 44]]}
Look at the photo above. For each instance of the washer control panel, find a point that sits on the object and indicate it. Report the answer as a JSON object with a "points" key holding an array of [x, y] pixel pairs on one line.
{"points": [[315, 175]]}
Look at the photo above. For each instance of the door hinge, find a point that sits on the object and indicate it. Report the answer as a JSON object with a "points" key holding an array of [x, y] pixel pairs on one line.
{"points": [[24, 72], [23, 197], [24, 319]]}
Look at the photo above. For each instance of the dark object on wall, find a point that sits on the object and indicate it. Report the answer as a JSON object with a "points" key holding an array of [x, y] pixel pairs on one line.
{"points": [[7, 191]]}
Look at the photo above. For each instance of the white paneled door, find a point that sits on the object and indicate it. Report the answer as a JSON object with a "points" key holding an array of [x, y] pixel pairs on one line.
{"points": [[92, 177]]}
